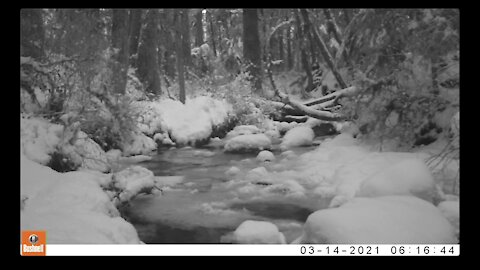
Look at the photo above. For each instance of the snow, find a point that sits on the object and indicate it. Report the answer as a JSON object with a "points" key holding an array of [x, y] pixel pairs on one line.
{"points": [[243, 130], [265, 155], [87, 153], [381, 220], [258, 174], [258, 232], [248, 143], [298, 136], [378, 174], [133, 180], [139, 144], [186, 123], [71, 207], [232, 171], [451, 211], [39, 138]]}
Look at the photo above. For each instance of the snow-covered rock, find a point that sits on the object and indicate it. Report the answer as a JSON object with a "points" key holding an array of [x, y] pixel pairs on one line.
{"points": [[380, 174], [243, 130], [408, 177], [258, 232], [265, 155], [252, 142], [232, 171], [186, 123], [451, 211], [298, 136], [139, 144], [257, 174], [132, 181], [71, 207], [381, 220]]}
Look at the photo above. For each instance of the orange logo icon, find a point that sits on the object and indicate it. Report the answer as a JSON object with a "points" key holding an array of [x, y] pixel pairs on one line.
{"points": [[33, 243]]}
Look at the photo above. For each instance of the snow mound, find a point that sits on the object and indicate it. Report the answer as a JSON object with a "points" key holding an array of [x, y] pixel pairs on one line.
{"points": [[243, 130], [259, 174], [139, 144], [132, 181], [410, 176], [451, 211], [298, 136], [39, 138], [376, 174], [185, 123], [258, 232], [265, 155], [247, 143], [232, 171], [87, 153], [381, 220], [71, 207]]}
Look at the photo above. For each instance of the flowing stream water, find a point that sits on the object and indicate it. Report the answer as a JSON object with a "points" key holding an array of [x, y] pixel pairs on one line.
{"points": [[208, 205]]}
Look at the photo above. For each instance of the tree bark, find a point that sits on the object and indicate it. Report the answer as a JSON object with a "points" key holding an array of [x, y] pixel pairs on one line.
{"points": [[212, 34], [135, 28], [148, 69], [323, 49], [180, 56], [198, 29], [186, 37], [251, 48], [120, 46], [289, 50], [32, 33], [303, 57]]}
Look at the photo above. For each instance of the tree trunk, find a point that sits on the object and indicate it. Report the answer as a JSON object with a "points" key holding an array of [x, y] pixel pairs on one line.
{"points": [[32, 34], [198, 29], [332, 26], [212, 34], [303, 57], [135, 28], [323, 49], [251, 48], [289, 50], [180, 57], [120, 46], [186, 37], [148, 70]]}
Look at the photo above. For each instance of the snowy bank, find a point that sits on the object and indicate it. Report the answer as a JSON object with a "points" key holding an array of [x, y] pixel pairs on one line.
{"points": [[71, 207], [381, 220]]}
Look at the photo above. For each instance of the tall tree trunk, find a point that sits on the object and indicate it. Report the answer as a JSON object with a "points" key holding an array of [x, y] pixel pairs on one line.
{"points": [[332, 26], [212, 33], [32, 33], [186, 37], [289, 48], [198, 29], [303, 56], [323, 49], [180, 57], [251, 48], [280, 50], [135, 28], [120, 46], [148, 70]]}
